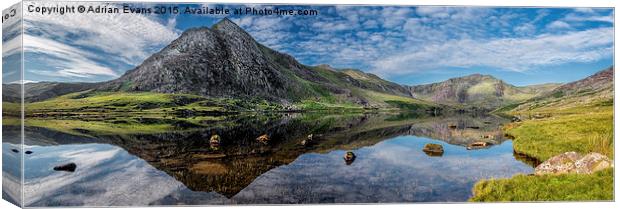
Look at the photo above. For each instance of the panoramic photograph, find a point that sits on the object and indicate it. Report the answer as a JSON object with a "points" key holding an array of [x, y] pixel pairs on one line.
{"points": [[145, 104]]}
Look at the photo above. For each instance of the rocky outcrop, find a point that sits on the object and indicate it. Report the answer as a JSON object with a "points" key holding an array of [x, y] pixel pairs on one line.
{"points": [[573, 162]]}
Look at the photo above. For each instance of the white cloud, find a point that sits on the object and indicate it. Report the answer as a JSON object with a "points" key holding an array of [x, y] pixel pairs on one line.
{"points": [[12, 46], [558, 24], [515, 54], [584, 10], [592, 17], [123, 38], [525, 29], [70, 61]]}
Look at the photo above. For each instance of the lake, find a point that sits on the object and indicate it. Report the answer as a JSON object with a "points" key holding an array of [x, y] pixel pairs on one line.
{"points": [[147, 162]]}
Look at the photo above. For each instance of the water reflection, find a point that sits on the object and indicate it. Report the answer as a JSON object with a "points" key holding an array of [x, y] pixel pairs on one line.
{"points": [[268, 159]]}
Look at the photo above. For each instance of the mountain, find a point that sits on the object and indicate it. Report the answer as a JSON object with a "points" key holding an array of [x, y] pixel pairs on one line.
{"points": [[596, 89], [483, 91], [41, 90], [224, 61]]}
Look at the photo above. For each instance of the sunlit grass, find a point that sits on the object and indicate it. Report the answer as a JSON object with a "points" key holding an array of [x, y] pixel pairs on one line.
{"points": [[567, 187], [583, 129], [584, 133]]}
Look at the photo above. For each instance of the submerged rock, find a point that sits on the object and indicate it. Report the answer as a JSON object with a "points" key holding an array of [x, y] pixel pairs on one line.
{"points": [[593, 162], [433, 149], [69, 167], [573, 162]]}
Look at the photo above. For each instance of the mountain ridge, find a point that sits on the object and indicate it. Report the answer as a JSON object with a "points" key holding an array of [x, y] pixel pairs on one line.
{"points": [[477, 90], [596, 89], [224, 61]]}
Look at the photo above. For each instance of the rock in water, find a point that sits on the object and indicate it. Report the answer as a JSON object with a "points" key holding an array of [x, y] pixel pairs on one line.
{"points": [[593, 162], [349, 157], [478, 145], [263, 138], [69, 167], [15, 150], [559, 164], [433, 149], [28, 152], [215, 140]]}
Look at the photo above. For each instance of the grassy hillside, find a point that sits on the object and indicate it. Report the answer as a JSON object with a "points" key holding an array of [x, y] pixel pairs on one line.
{"points": [[480, 91], [588, 129], [582, 129], [574, 117], [91, 103]]}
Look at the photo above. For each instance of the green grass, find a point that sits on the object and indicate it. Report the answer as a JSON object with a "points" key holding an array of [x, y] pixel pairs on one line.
{"points": [[85, 103], [567, 187], [583, 129], [584, 133], [120, 125]]}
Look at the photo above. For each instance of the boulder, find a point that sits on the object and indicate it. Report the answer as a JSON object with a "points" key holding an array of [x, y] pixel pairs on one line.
{"points": [[593, 162], [263, 138], [433, 149], [349, 157], [572, 162], [559, 164], [214, 140]]}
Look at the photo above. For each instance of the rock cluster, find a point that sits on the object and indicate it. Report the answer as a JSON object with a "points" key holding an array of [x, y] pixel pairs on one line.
{"points": [[573, 162]]}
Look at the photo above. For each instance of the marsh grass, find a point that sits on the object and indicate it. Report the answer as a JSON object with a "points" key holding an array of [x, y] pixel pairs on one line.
{"points": [[580, 129], [583, 133], [567, 187]]}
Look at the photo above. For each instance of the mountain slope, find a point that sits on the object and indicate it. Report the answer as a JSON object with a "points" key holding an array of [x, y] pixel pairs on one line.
{"points": [[477, 90], [595, 89], [223, 64], [41, 90], [224, 61]]}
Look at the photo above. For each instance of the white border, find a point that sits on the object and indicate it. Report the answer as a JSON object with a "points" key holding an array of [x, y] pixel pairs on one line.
{"points": [[519, 3]]}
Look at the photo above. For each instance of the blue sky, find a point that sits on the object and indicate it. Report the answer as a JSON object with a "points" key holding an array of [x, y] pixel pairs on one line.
{"points": [[407, 45]]}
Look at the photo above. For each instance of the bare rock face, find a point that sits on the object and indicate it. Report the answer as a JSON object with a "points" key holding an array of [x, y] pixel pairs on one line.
{"points": [[593, 162], [222, 61], [572, 162], [559, 164]]}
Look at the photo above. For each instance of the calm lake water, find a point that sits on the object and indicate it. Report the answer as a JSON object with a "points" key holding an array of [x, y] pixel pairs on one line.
{"points": [[182, 167]]}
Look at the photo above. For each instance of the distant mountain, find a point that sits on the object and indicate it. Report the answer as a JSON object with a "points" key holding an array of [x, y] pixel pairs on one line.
{"points": [[595, 89], [41, 90], [225, 61], [482, 91]]}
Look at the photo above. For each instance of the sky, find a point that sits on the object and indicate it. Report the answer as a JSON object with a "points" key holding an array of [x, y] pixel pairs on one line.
{"points": [[407, 45]]}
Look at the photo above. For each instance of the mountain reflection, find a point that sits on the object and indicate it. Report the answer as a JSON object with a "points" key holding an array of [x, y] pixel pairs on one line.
{"points": [[300, 162]]}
